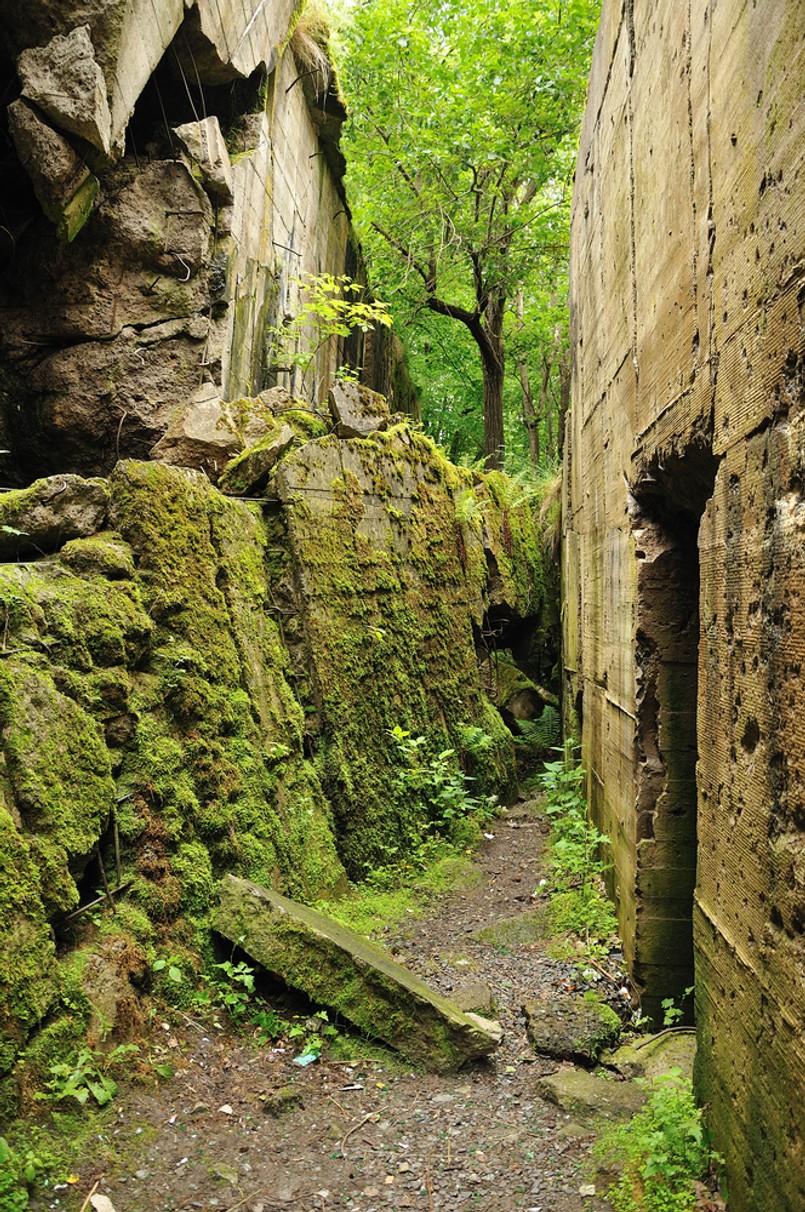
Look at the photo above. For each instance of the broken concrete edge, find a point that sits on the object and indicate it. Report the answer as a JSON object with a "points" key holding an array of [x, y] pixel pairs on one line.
{"points": [[64, 80], [83, 95], [347, 973]]}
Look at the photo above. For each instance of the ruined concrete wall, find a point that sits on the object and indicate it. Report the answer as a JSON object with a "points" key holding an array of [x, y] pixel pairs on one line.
{"points": [[193, 684], [168, 172], [683, 554]]}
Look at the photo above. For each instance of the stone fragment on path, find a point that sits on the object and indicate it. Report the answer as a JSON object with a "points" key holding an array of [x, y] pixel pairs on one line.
{"points": [[344, 971], [476, 995], [570, 1028], [588, 1097]]}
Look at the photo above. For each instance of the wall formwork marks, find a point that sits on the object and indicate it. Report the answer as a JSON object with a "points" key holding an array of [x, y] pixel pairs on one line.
{"points": [[685, 537]]}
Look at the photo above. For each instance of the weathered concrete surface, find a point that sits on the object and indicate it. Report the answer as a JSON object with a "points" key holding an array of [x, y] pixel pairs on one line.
{"points": [[64, 186], [189, 235], [590, 1098], [205, 145], [344, 971], [570, 1028], [683, 553]]}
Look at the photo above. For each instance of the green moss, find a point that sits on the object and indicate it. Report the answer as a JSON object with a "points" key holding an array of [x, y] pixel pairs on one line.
{"points": [[401, 894], [104, 555], [164, 652], [27, 955], [388, 607], [79, 623], [56, 1042], [59, 774], [218, 762], [193, 868]]}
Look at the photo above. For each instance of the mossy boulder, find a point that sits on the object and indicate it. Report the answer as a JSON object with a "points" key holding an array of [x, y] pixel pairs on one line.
{"points": [[28, 955], [57, 770], [571, 1027], [43, 517], [216, 689], [649, 1056], [340, 969], [218, 756]]}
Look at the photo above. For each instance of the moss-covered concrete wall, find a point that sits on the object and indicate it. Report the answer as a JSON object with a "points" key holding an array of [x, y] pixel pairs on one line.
{"points": [[683, 551], [193, 684]]}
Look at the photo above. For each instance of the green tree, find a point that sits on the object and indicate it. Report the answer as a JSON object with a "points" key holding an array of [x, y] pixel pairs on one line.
{"points": [[461, 148]]}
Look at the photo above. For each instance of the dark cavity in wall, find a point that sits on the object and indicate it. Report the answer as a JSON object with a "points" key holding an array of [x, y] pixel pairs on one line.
{"points": [[669, 496]]}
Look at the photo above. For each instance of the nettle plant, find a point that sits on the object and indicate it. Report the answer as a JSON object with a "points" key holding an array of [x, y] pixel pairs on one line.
{"points": [[332, 306], [662, 1151]]}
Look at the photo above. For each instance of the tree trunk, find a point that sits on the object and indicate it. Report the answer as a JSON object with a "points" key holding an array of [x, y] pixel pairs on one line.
{"points": [[531, 417], [493, 363]]}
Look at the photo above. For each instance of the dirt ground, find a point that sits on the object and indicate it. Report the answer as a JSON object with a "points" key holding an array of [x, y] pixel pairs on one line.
{"points": [[242, 1127]]}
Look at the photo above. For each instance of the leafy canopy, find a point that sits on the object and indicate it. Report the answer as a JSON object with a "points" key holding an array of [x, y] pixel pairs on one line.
{"points": [[461, 148]]}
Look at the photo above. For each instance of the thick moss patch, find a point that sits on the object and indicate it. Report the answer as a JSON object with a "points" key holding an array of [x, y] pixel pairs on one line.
{"points": [[390, 583], [216, 689]]}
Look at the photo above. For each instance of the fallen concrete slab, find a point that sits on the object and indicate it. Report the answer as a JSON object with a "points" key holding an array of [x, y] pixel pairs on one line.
{"points": [[345, 972]]}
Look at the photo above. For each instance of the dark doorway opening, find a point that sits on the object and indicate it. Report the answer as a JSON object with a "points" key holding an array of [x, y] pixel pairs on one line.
{"points": [[670, 495]]}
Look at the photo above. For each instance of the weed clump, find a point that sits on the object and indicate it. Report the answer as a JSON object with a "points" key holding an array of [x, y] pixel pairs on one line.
{"points": [[661, 1152], [578, 905]]}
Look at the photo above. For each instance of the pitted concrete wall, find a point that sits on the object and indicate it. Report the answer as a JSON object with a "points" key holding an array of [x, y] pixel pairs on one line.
{"points": [[138, 280], [685, 520]]}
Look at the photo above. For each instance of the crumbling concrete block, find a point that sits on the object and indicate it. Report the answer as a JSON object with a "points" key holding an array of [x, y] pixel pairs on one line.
{"points": [[588, 1097], [64, 186], [571, 1028], [205, 146], [356, 410], [64, 80], [200, 435], [247, 474], [344, 971]]}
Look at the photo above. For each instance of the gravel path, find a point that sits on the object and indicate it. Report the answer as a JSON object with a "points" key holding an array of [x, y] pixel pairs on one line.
{"points": [[243, 1128]]}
